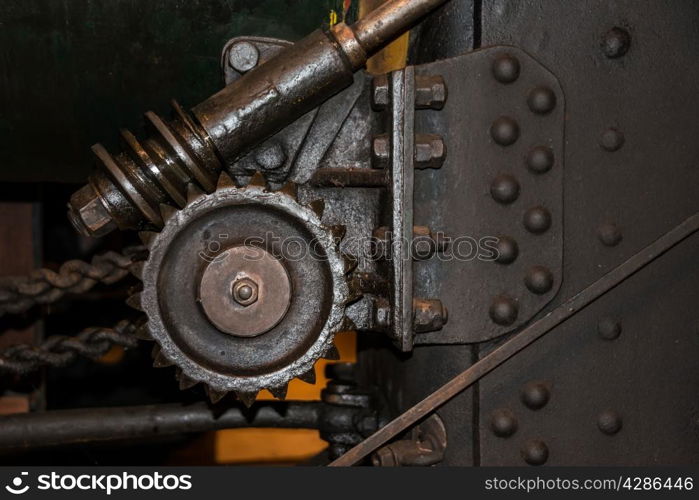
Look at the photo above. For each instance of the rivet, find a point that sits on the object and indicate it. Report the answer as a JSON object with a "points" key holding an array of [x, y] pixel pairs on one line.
{"points": [[609, 328], [616, 42], [539, 280], [609, 234], [503, 423], [243, 56], [541, 100], [535, 452], [504, 131], [503, 310], [609, 422], [535, 395], [540, 159], [612, 140], [507, 249], [537, 220], [504, 189], [506, 68]]}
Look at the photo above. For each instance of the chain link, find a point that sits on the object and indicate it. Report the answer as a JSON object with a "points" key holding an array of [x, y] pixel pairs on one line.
{"points": [[59, 350], [44, 286]]}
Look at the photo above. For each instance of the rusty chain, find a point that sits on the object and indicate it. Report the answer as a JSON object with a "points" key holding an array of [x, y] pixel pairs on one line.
{"points": [[44, 286], [59, 350]]}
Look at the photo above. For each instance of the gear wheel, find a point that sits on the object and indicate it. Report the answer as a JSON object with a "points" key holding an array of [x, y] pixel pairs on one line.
{"points": [[229, 304]]}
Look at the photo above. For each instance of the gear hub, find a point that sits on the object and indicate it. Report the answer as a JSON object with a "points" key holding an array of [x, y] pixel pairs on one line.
{"points": [[244, 289]]}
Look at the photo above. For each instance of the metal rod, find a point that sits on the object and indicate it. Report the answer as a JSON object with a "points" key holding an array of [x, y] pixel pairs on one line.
{"points": [[517, 343], [349, 177], [91, 425], [383, 24]]}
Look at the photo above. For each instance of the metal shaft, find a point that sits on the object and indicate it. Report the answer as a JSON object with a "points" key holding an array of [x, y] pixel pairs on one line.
{"points": [[128, 189], [92, 425]]}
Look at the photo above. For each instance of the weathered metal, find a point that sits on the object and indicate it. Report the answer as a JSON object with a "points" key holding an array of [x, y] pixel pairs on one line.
{"points": [[268, 237], [128, 189]]}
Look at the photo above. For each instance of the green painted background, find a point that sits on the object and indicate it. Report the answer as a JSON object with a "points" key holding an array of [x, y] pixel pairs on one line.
{"points": [[72, 72]]}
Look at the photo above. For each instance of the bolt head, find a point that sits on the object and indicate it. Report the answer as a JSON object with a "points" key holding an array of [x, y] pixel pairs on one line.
{"points": [[243, 56], [430, 151], [381, 150], [88, 214], [380, 98], [245, 292], [430, 92]]}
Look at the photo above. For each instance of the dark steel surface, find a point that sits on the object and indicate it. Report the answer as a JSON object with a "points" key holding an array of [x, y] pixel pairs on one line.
{"points": [[522, 340], [622, 374], [488, 187]]}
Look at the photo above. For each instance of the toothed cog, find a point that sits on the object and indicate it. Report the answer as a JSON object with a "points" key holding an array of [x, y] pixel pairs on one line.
{"points": [[244, 289]]}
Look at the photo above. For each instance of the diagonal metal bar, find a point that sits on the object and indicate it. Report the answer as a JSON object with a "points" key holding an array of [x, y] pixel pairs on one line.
{"points": [[520, 341]]}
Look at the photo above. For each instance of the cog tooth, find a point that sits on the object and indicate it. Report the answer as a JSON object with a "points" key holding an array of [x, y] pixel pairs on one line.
{"points": [[137, 269], [185, 382], [339, 231], [147, 237], [309, 377], [318, 206], [159, 359], [225, 181], [351, 262], [167, 212], [347, 325], [258, 180], [142, 333], [134, 301], [194, 193], [291, 189], [214, 395], [247, 398], [279, 392], [332, 353]]}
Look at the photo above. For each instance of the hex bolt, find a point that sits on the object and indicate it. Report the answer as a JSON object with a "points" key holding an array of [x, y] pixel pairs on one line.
{"points": [[381, 151], [243, 56], [380, 93], [430, 151], [429, 315], [426, 243], [88, 214], [245, 291], [381, 314], [430, 92]]}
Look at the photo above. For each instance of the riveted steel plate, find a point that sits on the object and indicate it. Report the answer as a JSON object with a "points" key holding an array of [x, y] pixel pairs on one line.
{"points": [[503, 125], [622, 373]]}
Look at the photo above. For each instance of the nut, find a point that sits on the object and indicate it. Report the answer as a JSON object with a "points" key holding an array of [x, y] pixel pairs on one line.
{"points": [[88, 214], [245, 291], [381, 151], [430, 151], [380, 98], [430, 92]]}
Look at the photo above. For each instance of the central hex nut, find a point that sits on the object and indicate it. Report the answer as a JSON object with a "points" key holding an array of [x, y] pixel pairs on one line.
{"points": [[245, 291]]}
